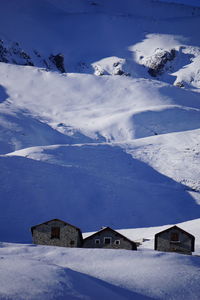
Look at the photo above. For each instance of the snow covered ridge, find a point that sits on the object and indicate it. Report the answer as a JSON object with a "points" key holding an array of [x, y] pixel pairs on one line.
{"points": [[163, 63], [100, 111], [124, 48]]}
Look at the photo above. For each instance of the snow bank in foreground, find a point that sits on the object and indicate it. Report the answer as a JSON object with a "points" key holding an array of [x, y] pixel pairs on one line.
{"points": [[39, 272], [26, 278]]}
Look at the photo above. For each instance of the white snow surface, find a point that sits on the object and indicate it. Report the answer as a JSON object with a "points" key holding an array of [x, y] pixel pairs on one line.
{"points": [[88, 141], [103, 144], [82, 134], [46, 272]]}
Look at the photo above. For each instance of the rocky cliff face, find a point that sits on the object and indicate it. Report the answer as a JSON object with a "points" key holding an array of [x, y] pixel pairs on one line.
{"points": [[13, 53]]}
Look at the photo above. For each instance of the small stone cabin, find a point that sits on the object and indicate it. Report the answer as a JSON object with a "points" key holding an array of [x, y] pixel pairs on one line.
{"points": [[57, 233], [108, 238], [174, 239]]}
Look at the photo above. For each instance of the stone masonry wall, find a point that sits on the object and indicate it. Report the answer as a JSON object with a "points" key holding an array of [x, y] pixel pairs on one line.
{"points": [[124, 243], [184, 245], [42, 235]]}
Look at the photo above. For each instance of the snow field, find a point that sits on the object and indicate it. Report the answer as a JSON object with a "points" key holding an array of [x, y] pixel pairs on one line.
{"points": [[98, 149], [41, 109], [57, 273], [145, 110]]}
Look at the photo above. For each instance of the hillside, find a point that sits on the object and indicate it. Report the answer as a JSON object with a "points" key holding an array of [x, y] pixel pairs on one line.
{"points": [[100, 114], [99, 126]]}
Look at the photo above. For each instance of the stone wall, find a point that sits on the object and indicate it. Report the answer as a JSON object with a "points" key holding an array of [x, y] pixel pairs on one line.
{"points": [[69, 235], [117, 241], [164, 243]]}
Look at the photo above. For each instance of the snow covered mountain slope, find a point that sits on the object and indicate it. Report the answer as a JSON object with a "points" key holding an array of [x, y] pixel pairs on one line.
{"points": [[57, 181], [175, 155], [148, 107], [90, 35], [100, 114], [121, 183]]}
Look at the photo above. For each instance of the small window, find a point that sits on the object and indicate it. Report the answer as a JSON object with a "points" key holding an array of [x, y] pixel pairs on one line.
{"points": [[117, 242], [107, 240], [174, 237], [55, 232], [97, 241], [72, 243]]}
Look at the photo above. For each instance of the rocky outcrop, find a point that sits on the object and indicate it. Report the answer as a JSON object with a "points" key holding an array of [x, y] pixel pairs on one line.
{"points": [[58, 60], [117, 69], [13, 53], [157, 62], [179, 84]]}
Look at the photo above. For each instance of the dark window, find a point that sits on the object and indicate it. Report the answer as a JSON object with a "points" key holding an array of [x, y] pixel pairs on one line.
{"points": [[72, 243], [97, 241], [107, 240], [117, 242], [174, 237], [55, 232]]}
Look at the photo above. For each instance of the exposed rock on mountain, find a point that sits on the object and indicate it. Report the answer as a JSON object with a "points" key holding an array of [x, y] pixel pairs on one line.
{"points": [[158, 61], [12, 52], [58, 60]]}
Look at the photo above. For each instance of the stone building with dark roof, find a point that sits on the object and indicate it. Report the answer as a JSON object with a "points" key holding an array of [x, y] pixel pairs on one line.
{"points": [[57, 233], [110, 239], [174, 239]]}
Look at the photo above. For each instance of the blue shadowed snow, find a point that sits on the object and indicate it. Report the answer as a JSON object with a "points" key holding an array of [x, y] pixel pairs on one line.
{"points": [[89, 186], [186, 2], [95, 185], [3, 94]]}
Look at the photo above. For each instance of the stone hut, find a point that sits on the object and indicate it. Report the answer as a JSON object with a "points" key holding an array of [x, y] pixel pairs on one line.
{"points": [[110, 239], [174, 239], [57, 233]]}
